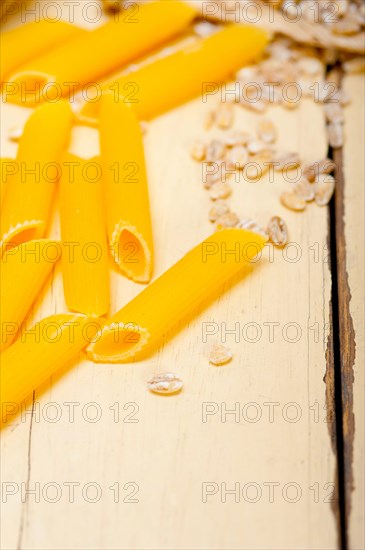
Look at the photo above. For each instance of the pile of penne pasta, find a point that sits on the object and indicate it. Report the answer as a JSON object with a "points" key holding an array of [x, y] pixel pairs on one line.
{"points": [[103, 202]]}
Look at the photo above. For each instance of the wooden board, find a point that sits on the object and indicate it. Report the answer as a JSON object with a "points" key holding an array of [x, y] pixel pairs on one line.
{"points": [[170, 452], [353, 225], [151, 463]]}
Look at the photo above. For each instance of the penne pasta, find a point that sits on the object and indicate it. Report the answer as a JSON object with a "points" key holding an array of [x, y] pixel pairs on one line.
{"points": [[7, 167], [128, 209], [28, 199], [39, 353], [173, 80], [24, 270], [85, 261], [83, 60], [178, 292], [25, 42]]}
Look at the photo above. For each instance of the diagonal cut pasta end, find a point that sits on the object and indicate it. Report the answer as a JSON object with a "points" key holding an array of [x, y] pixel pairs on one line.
{"points": [[131, 253], [200, 276], [27, 88], [22, 232], [118, 342]]}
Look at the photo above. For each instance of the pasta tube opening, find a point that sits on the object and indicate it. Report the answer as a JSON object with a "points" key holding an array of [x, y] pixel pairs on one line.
{"points": [[90, 56], [27, 206], [127, 199], [22, 233], [29, 87], [199, 276], [119, 342], [131, 253]]}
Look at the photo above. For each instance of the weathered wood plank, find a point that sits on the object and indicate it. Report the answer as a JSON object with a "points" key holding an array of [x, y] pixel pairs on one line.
{"points": [[350, 233], [274, 449], [171, 453]]}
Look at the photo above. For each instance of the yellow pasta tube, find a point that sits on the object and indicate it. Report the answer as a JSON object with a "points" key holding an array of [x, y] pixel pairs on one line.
{"points": [[127, 36], [39, 353], [24, 270], [128, 209], [85, 258], [7, 167], [25, 42], [170, 81], [179, 291], [28, 199]]}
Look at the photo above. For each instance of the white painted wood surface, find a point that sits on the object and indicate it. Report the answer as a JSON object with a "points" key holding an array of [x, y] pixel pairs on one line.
{"points": [[170, 452], [159, 447]]}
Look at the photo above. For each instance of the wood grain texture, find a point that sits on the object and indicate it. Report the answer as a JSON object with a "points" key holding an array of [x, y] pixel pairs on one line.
{"points": [[350, 233], [274, 450], [170, 452]]}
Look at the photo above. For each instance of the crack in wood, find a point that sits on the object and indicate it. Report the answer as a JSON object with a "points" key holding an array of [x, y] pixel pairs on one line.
{"points": [[26, 502], [347, 343], [341, 350], [340, 353], [329, 380]]}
